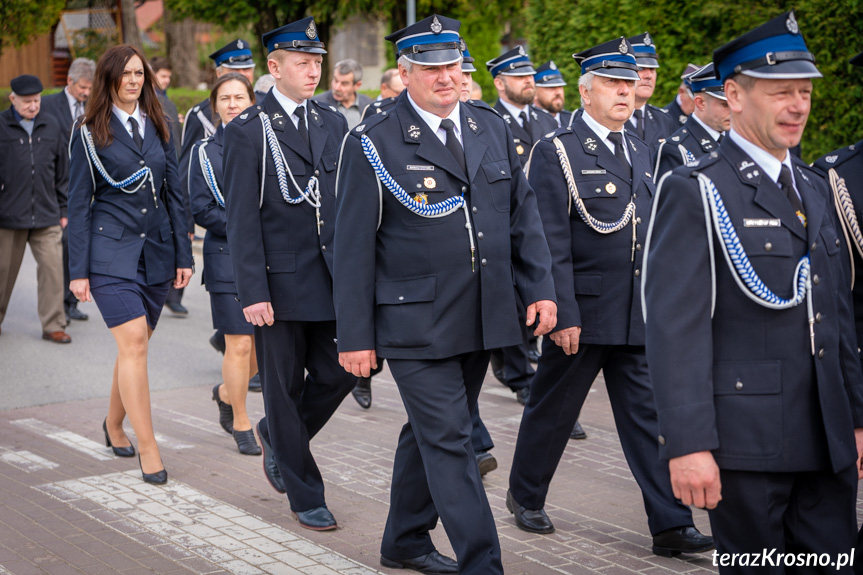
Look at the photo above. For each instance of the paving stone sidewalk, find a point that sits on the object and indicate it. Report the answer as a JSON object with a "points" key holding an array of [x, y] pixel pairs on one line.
{"points": [[68, 506]]}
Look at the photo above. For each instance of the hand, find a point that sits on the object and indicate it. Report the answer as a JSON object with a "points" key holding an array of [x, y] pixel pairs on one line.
{"points": [[695, 479], [259, 314], [80, 288], [567, 339], [183, 277], [858, 435], [547, 312], [359, 363], [64, 222]]}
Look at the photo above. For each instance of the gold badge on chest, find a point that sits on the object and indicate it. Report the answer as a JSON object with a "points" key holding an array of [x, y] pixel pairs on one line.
{"points": [[610, 187], [429, 183]]}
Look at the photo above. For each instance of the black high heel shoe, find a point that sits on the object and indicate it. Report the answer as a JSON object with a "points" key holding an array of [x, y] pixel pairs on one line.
{"points": [[158, 478], [226, 413], [246, 442], [118, 451]]}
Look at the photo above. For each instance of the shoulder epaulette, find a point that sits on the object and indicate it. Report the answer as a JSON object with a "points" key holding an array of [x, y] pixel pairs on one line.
{"points": [[837, 157], [482, 105], [369, 123], [323, 106], [559, 132], [701, 163], [248, 114]]}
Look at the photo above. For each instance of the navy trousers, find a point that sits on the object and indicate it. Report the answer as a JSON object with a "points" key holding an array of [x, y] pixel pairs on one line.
{"points": [[296, 406], [435, 473], [557, 395]]}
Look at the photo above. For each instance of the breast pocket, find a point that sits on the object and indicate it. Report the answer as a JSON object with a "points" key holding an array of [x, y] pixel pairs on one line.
{"points": [[499, 175], [775, 242], [405, 312], [748, 401]]}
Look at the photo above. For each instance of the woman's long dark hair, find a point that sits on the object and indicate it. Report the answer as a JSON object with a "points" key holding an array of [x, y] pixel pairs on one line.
{"points": [[214, 93], [109, 74]]}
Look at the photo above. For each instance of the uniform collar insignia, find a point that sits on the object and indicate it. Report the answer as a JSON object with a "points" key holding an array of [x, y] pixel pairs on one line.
{"points": [[333, 108], [471, 124], [414, 132], [745, 164], [533, 114], [277, 115], [632, 145], [590, 143], [802, 173], [706, 144]]}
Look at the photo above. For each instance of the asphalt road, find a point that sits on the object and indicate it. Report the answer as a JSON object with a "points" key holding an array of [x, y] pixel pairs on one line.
{"points": [[36, 372]]}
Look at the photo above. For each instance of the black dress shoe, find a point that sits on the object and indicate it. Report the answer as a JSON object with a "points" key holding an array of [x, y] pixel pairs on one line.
{"points": [[431, 564], [72, 312], [246, 442], [577, 432], [486, 461], [226, 414], [158, 478], [533, 355], [528, 519], [118, 451], [317, 519], [522, 395], [177, 308], [679, 540], [217, 340], [362, 392], [255, 383], [271, 470]]}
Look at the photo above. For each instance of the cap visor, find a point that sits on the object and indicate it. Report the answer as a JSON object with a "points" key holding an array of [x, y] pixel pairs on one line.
{"points": [[468, 68], [617, 73], [551, 84], [523, 71], [647, 62], [791, 70], [717, 95], [435, 57], [239, 65]]}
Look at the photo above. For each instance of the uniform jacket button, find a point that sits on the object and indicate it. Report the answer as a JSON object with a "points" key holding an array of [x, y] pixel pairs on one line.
{"points": [[401, 298], [739, 385], [637, 273], [637, 220], [814, 245], [661, 440], [323, 248], [143, 210], [818, 317], [141, 162], [820, 353], [484, 262], [475, 210], [768, 247], [816, 280], [100, 228], [838, 243], [143, 236], [317, 172], [480, 235], [464, 189]]}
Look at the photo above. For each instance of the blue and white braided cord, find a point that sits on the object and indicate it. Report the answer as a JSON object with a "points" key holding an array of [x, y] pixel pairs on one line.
{"points": [[738, 261], [311, 194], [593, 223], [688, 157], [209, 176], [437, 210], [141, 176]]}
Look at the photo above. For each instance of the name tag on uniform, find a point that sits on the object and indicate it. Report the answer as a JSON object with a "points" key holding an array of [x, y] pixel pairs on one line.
{"points": [[413, 168], [591, 172], [761, 223]]}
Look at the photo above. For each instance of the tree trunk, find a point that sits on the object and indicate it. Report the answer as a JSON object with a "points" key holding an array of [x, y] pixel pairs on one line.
{"points": [[131, 34], [181, 50]]}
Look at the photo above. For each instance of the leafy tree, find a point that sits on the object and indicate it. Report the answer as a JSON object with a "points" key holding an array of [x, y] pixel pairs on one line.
{"points": [[690, 31], [21, 21]]}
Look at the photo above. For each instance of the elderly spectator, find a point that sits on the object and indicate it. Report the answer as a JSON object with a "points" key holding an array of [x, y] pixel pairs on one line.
{"points": [[34, 175]]}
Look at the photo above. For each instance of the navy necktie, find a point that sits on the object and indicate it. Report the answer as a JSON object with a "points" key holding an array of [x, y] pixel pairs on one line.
{"points": [[300, 113], [452, 143], [616, 138], [136, 135], [786, 182]]}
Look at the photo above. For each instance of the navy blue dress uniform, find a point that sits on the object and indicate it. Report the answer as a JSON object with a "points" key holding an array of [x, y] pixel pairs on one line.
{"points": [[114, 236], [539, 122], [774, 394], [692, 140], [378, 107], [432, 295], [548, 76], [597, 281], [208, 208], [283, 253], [654, 124], [673, 107]]}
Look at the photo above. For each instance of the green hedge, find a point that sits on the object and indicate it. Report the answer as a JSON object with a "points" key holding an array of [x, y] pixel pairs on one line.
{"points": [[689, 31]]}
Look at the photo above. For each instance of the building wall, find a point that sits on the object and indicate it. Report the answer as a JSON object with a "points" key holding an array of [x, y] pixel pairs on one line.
{"points": [[362, 39], [33, 58]]}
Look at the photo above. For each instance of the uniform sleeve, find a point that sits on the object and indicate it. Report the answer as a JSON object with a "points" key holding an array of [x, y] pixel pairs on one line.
{"points": [[176, 207], [358, 209], [680, 337], [206, 211], [80, 195], [61, 174], [531, 261], [546, 175], [242, 179]]}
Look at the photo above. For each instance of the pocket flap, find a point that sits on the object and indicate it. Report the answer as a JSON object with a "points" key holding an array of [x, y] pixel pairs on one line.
{"points": [[330, 161], [166, 233], [281, 262], [587, 284], [495, 171], [405, 291], [113, 231], [747, 378]]}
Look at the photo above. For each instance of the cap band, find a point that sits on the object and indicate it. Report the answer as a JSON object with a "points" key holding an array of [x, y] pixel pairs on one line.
{"points": [[772, 58], [235, 56], [420, 48], [297, 44], [783, 44]]}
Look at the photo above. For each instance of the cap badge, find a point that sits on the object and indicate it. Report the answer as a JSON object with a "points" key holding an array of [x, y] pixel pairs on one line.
{"points": [[436, 26], [622, 46], [610, 187], [552, 65], [414, 132], [471, 124], [791, 24], [647, 40], [831, 159], [311, 32], [429, 183], [461, 45], [421, 198], [239, 44]]}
